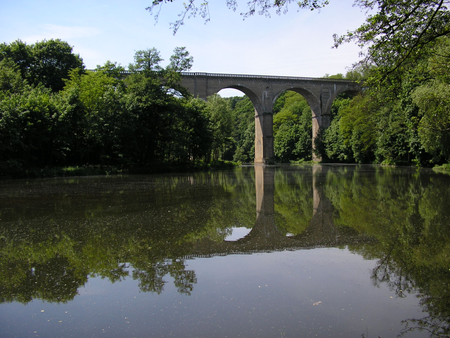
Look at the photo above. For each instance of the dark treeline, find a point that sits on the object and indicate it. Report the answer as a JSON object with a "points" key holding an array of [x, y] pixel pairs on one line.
{"points": [[55, 113], [403, 120]]}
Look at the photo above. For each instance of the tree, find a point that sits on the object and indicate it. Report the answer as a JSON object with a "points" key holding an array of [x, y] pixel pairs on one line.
{"points": [[358, 127], [180, 60], [243, 133], [53, 59], [146, 61], [19, 53], [27, 126], [292, 127], [221, 124], [285, 142], [112, 69], [193, 8], [433, 101], [398, 33], [10, 77], [91, 86], [330, 142], [47, 62]]}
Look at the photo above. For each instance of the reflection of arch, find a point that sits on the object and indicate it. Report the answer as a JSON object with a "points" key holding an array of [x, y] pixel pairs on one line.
{"points": [[263, 91], [265, 234]]}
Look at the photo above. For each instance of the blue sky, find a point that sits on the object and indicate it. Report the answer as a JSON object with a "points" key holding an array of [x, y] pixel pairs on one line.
{"points": [[296, 44]]}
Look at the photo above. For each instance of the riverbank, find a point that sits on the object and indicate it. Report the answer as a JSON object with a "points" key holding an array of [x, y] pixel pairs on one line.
{"points": [[445, 168], [48, 172], [105, 170]]}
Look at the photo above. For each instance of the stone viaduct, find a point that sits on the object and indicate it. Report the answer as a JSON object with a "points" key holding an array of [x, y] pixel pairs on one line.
{"points": [[263, 92]]}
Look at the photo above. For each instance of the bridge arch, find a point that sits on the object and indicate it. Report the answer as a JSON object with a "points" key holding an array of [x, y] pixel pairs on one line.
{"points": [[263, 91], [250, 94], [316, 112]]}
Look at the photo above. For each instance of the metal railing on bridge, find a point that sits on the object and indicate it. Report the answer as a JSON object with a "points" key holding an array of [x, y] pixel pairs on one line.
{"points": [[249, 76]]}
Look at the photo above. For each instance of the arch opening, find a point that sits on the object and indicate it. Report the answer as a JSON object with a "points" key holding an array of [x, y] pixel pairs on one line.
{"points": [[244, 104], [331, 145], [293, 126], [230, 92], [233, 122], [246, 91]]}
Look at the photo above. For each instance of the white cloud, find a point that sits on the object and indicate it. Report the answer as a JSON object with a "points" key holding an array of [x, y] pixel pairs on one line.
{"points": [[49, 31]]}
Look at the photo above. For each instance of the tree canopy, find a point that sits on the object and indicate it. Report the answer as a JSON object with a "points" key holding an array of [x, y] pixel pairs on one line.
{"points": [[398, 32], [46, 62]]}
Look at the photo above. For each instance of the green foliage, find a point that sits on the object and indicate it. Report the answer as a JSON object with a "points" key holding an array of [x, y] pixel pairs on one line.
{"points": [[147, 118], [292, 127], [53, 59], [100, 117], [292, 143], [398, 33], [91, 87], [338, 76], [112, 69], [443, 168], [243, 133], [46, 63], [283, 117], [221, 125], [433, 101], [11, 80], [181, 61], [333, 147], [393, 140], [358, 129], [34, 127], [146, 61]]}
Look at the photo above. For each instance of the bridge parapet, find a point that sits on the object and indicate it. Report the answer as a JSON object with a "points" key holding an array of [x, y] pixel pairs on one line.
{"points": [[268, 77]]}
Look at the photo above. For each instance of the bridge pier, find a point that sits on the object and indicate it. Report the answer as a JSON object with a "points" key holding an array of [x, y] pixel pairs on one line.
{"points": [[264, 149], [319, 122]]}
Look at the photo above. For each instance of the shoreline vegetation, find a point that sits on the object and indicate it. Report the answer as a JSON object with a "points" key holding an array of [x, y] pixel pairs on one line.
{"points": [[70, 121], [105, 170], [445, 168]]}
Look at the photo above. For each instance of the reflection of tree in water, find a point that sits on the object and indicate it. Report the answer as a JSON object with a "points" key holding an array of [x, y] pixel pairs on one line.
{"points": [[145, 225], [53, 280], [50, 257], [408, 215], [151, 276], [430, 285]]}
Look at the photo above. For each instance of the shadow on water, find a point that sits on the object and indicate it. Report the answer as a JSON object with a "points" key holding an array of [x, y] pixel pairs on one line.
{"points": [[56, 234]]}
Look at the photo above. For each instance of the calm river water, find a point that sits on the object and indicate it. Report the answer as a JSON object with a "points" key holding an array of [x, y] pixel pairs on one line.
{"points": [[288, 251]]}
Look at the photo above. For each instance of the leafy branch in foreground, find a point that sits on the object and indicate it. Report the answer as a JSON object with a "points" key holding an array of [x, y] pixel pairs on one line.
{"points": [[399, 32], [262, 7]]}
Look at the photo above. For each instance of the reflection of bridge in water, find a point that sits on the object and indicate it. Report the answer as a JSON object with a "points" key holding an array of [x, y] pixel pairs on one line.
{"points": [[265, 235]]}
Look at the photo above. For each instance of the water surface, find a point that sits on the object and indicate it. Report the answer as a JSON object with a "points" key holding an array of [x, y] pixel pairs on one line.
{"points": [[288, 251]]}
